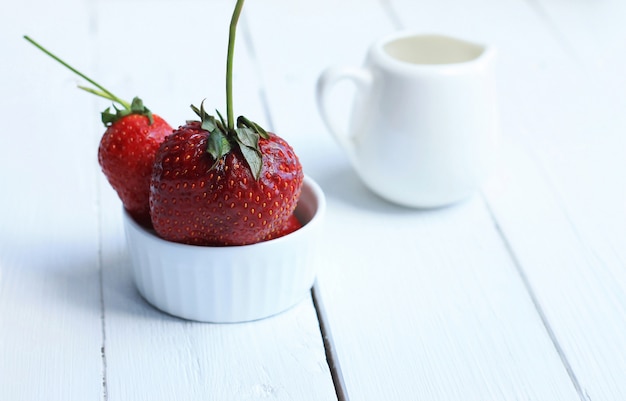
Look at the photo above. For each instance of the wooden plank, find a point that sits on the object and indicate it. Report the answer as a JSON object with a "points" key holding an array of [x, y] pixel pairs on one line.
{"points": [[577, 284], [555, 198], [418, 304], [579, 150], [50, 306], [150, 355], [593, 36]]}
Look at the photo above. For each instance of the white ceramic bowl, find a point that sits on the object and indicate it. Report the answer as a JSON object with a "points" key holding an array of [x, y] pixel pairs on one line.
{"points": [[229, 284]]}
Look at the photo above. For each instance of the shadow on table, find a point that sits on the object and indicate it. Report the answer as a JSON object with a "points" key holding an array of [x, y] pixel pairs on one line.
{"points": [[50, 277], [341, 183], [121, 297], [70, 272], [96, 275]]}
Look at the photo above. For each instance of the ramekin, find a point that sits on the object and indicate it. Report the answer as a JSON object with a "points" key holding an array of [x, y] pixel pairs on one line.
{"points": [[234, 283]]}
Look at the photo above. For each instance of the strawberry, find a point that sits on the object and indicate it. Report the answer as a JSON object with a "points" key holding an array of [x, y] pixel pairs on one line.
{"points": [[126, 155], [290, 226], [127, 148], [217, 183], [198, 198]]}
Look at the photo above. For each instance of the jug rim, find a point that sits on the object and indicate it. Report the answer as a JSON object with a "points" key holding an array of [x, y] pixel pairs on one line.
{"points": [[479, 54]]}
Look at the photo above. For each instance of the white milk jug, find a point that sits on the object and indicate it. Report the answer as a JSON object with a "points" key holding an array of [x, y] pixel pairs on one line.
{"points": [[424, 125]]}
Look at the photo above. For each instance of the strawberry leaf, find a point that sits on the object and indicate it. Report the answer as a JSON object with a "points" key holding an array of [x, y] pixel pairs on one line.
{"points": [[221, 118], [109, 118], [197, 110], [248, 141], [254, 159], [218, 145], [137, 107], [247, 137], [209, 123], [244, 122]]}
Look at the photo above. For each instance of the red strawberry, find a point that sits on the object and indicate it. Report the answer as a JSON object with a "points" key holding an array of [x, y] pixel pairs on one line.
{"points": [[290, 226], [214, 183], [220, 199], [127, 148], [126, 155]]}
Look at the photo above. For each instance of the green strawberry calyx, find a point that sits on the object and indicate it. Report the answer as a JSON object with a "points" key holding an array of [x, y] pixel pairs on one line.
{"points": [[222, 139], [136, 107], [108, 117]]}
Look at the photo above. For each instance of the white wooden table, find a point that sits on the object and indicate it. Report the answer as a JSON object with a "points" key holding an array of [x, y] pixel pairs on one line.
{"points": [[518, 293]]}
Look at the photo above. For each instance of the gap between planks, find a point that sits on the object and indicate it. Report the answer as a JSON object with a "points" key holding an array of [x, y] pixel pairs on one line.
{"points": [[541, 13], [535, 301], [329, 345], [103, 357]]}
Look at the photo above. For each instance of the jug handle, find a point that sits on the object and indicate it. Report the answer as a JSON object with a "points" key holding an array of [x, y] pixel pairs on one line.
{"points": [[362, 78]]}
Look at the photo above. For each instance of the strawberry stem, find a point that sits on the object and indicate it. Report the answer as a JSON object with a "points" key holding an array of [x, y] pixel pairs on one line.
{"points": [[229, 64], [101, 91]]}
